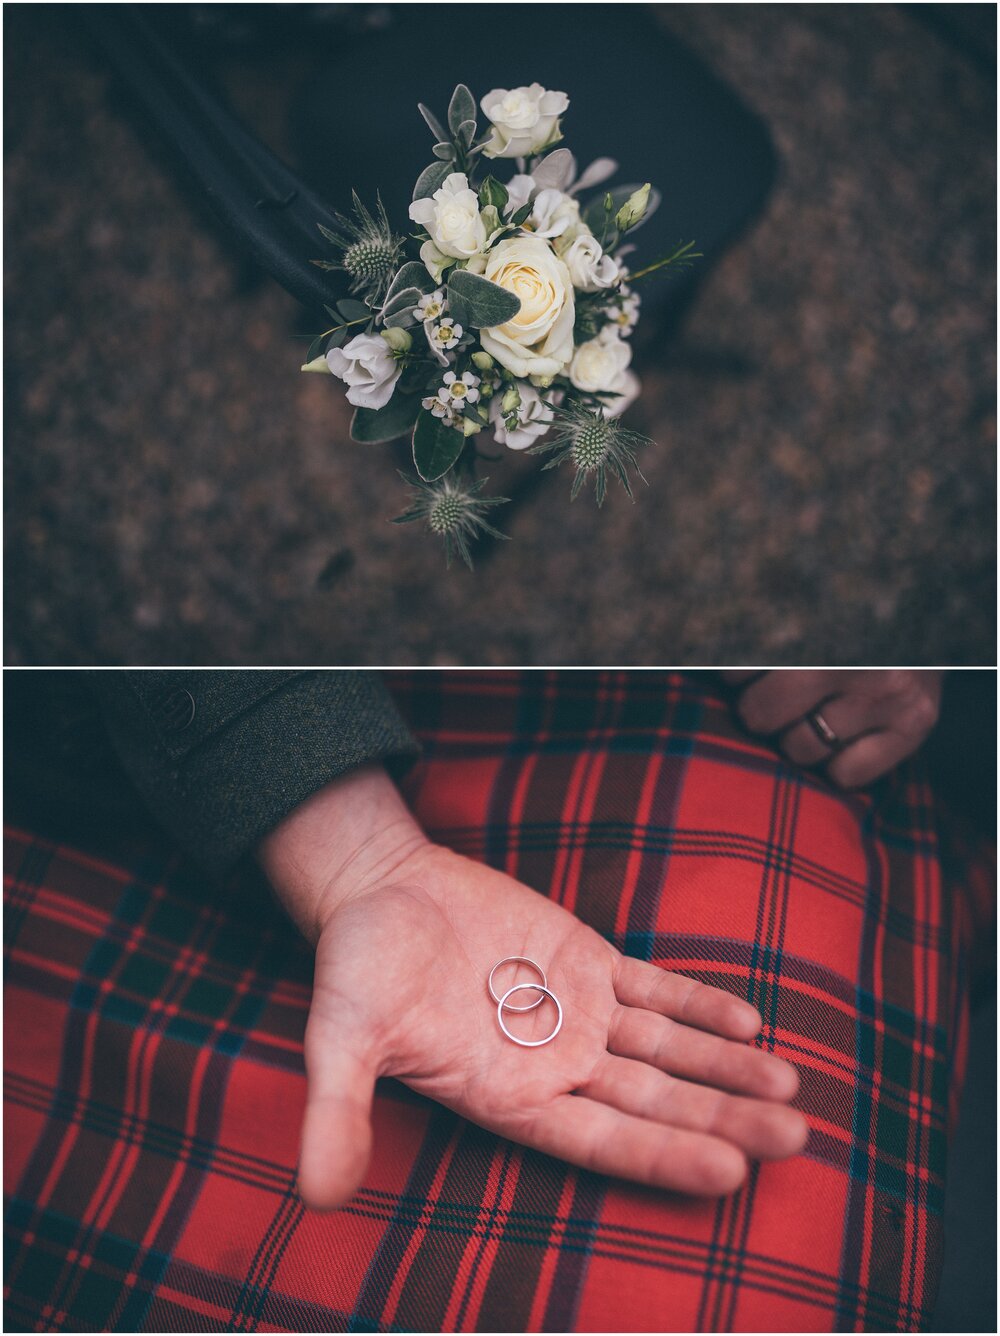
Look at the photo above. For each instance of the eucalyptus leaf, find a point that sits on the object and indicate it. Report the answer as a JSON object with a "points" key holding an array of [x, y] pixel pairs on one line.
{"points": [[375, 426], [403, 299], [337, 337], [435, 446], [433, 124], [462, 107], [411, 275], [445, 151], [349, 309], [330, 312], [555, 170], [430, 179], [485, 304]]}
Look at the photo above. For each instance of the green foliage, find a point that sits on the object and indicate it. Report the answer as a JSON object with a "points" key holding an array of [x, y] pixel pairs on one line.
{"points": [[436, 446], [461, 108], [432, 178], [482, 304], [375, 426]]}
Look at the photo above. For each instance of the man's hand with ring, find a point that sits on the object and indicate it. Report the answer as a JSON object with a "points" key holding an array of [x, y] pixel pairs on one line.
{"points": [[858, 723]]}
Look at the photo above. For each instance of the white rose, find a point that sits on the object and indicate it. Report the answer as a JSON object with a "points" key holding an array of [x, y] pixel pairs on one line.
{"points": [[451, 217], [589, 268], [524, 120], [533, 419], [601, 366], [368, 367], [538, 341]]}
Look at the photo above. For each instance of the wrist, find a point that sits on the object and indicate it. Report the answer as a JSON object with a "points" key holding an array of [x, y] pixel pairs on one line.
{"points": [[349, 836]]}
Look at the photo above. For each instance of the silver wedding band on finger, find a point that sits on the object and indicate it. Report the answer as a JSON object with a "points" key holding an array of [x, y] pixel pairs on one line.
{"points": [[504, 1003], [822, 730]]}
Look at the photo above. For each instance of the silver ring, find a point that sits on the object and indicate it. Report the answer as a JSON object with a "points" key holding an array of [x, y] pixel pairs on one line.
{"points": [[822, 729], [529, 1043], [525, 960]]}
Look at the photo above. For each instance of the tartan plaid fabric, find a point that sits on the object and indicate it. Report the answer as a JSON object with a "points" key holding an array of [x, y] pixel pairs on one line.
{"points": [[154, 1082]]}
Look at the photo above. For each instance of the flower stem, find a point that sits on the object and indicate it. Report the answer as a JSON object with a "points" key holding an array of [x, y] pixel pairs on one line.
{"points": [[682, 253]]}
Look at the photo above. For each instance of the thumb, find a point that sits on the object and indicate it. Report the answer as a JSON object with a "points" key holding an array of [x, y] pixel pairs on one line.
{"points": [[337, 1128]]}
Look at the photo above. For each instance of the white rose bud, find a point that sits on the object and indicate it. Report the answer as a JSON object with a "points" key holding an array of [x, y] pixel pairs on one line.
{"points": [[483, 361], [599, 364], [590, 269], [317, 364], [523, 120], [634, 208], [399, 340], [452, 219], [368, 368]]}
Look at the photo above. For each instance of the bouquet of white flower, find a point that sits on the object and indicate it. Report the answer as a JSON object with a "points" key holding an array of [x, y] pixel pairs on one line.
{"points": [[514, 320]]}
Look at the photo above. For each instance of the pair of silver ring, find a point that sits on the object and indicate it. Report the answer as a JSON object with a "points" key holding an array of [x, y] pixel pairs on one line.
{"points": [[504, 1004]]}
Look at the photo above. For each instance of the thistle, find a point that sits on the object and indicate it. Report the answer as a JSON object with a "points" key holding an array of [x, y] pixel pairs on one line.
{"points": [[371, 252], [594, 444], [455, 512]]}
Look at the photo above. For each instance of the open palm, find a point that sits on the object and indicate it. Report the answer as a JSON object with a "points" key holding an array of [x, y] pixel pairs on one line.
{"points": [[650, 1077]]}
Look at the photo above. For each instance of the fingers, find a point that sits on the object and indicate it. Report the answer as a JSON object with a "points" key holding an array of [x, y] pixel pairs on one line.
{"points": [[639, 984], [784, 695], [868, 758], [336, 1130], [848, 716], [596, 1136], [676, 1048], [763, 1130]]}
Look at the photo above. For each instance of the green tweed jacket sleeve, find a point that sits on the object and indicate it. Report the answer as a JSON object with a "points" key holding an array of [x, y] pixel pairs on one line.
{"points": [[221, 756]]}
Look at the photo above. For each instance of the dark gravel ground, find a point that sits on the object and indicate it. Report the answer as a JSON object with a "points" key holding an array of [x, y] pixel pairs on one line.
{"points": [[823, 491]]}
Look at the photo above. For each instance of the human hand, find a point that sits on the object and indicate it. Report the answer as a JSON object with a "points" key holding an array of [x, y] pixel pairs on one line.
{"points": [[650, 1077], [877, 716]]}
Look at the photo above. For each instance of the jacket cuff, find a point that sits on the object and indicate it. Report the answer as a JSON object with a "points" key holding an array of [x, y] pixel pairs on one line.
{"points": [[221, 758]]}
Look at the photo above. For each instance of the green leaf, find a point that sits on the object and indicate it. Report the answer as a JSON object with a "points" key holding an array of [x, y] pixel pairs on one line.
{"points": [[445, 152], [338, 337], [331, 236], [484, 304], [412, 275], [466, 134], [462, 107], [401, 305], [330, 312], [375, 426], [493, 192], [348, 309], [522, 214], [317, 346], [433, 124], [431, 178], [435, 446]]}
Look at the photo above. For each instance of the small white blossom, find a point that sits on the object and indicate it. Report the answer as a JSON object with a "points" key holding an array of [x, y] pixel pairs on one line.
{"points": [[439, 408], [459, 390], [431, 306], [624, 312], [445, 334]]}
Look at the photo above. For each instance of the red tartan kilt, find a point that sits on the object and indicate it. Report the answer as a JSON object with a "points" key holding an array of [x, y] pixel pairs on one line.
{"points": [[154, 1084]]}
